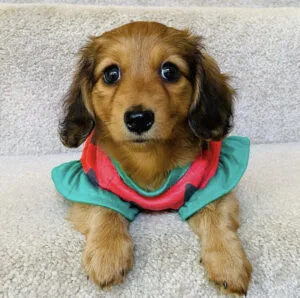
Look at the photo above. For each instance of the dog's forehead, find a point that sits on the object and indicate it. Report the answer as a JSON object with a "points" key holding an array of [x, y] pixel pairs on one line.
{"points": [[138, 28], [143, 44], [143, 36]]}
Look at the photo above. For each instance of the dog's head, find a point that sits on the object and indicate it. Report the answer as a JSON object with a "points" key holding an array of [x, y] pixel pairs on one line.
{"points": [[140, 82]]}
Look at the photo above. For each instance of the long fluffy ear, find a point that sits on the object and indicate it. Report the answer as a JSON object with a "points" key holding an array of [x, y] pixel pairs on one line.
{"points": [[211, 112], [77, 121]]}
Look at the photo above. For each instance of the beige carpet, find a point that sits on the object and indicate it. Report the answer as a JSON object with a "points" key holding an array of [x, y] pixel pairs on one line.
{"points": [[173, 3]]}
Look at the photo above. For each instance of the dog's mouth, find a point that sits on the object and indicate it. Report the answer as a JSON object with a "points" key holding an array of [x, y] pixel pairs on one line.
{"points": [[141, 141], [137, 141]]}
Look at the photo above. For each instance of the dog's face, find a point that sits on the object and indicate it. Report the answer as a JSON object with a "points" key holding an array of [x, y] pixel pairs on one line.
{"points": [[140, 83], [142, 90]]}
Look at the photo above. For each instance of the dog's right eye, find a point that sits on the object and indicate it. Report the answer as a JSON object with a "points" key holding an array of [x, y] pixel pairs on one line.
{"points": [[111, 74], [170, 72]]}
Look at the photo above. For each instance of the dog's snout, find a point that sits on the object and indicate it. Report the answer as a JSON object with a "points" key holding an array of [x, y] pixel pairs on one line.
{"points": [[139, 121]]}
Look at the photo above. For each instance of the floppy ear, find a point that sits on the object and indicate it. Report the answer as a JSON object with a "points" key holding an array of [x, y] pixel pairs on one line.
{"points": [[211, 112], [77, 121]]}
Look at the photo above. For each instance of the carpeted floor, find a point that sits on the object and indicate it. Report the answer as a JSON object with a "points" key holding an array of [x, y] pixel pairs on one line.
{"points": [[173, 3], [40, 254]]}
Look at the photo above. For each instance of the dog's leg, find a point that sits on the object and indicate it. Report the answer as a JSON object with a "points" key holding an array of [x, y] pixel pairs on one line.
{"points": [[222, 253], [108, 253]]}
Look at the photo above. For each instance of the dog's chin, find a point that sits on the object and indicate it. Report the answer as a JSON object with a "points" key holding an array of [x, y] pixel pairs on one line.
{"points": [[136, 145], [140, 142]]}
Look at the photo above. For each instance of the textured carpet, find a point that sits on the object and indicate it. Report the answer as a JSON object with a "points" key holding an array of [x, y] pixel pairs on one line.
{"points": [[40, 254], [38, 45], [170, 3]]}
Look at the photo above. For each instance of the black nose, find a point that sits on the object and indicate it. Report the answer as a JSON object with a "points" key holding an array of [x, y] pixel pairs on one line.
{"points": [[138, 121]]}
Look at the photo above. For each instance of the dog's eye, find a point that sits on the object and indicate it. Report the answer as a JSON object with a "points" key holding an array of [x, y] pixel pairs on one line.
{"points": [[170, 72], [111, 75]]}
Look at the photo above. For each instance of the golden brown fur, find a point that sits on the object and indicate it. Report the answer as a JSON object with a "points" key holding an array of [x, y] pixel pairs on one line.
{"points": [[189, 113], [108, 253], [222, 253]]}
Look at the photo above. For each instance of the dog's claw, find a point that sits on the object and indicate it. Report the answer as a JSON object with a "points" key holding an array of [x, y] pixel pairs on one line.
{"points": [[123, 272], [87, 277], [200, 261], [224, 284], [245, 294], [103, 285]]}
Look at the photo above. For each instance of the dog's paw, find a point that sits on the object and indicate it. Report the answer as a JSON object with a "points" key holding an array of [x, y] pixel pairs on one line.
{"points": [[229, 270], [107, 261]]}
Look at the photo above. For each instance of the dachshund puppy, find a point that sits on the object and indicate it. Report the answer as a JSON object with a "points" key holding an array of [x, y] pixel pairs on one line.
{"points": [[154, 99]]}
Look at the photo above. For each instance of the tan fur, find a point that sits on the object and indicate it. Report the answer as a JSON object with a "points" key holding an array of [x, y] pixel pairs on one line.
{"points": [[140, 49], [108, 253], [222, 253]]}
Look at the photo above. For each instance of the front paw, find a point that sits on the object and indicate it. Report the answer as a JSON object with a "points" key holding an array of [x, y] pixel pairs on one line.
{"points": [[106, 261], [230, 270]]}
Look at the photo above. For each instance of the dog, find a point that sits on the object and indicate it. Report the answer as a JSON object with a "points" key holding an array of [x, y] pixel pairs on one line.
{"points": [[152, 99]]}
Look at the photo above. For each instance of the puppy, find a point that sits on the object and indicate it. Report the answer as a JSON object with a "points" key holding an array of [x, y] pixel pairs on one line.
{"points": [[153, 100]]}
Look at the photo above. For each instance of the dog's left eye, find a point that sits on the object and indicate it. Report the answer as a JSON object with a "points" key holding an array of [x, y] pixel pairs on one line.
{"points": [[111, 75], [170, 72]]}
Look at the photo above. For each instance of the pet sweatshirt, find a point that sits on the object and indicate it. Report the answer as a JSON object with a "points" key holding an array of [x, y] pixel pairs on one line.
{"points": [[98, 179]]}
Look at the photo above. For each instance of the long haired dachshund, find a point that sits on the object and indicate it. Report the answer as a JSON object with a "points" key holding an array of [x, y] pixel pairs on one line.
{"points": [[154, 99]]}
